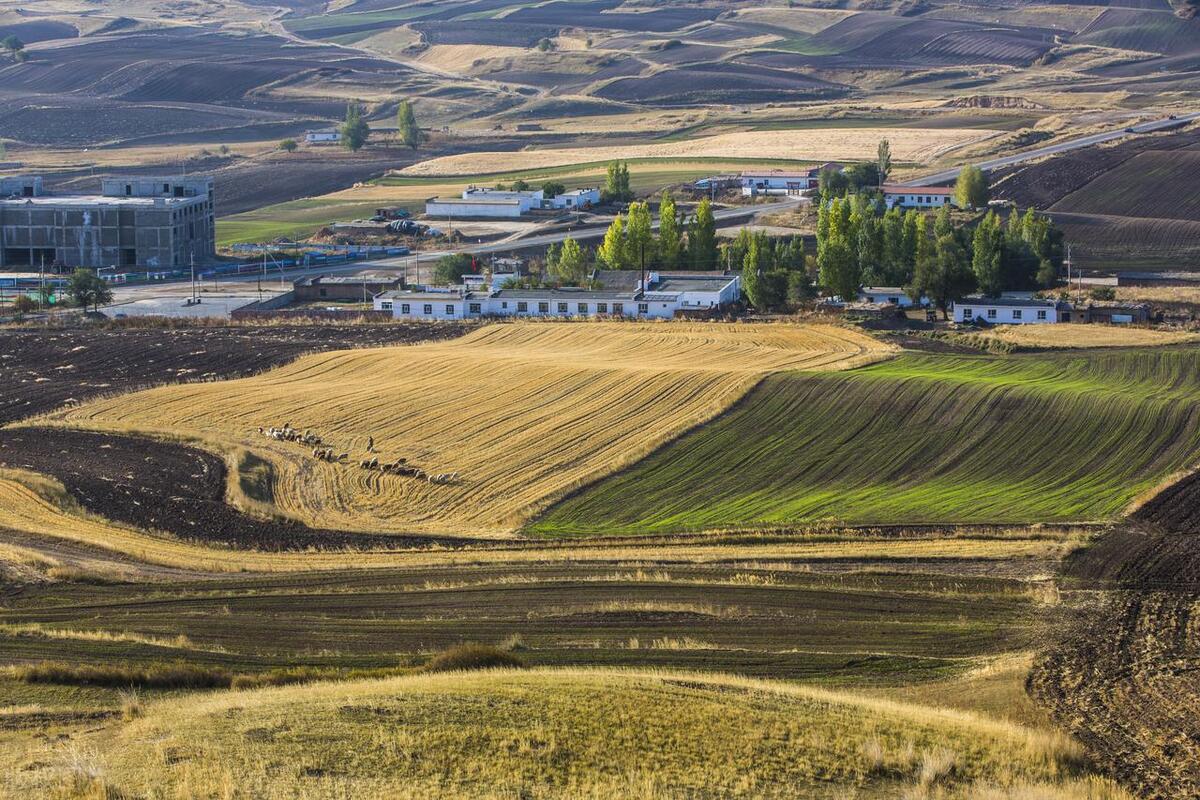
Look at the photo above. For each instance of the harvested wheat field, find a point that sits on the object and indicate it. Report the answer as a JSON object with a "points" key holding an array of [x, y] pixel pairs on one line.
{"points": [[908, 144], [1075, 336], [580, 733], [518, 414]]}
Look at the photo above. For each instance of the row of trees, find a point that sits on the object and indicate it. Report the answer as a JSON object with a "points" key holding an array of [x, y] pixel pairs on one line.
{"points": [[857, 245], [631, 241], [355, 131]]}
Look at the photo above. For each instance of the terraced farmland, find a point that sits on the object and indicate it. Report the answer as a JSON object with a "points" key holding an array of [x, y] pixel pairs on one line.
{"points": [[521, 412], [919, 439]]}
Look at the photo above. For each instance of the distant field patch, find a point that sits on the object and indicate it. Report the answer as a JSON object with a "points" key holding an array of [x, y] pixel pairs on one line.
{"points": [[1135, 188], [583, 733], [522, 412], [1087, 336], [908, 144], [1037, 438], [299, 219]]}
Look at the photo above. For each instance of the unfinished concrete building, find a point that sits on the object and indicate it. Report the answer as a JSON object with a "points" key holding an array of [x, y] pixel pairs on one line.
{"points": [[134, 223]]}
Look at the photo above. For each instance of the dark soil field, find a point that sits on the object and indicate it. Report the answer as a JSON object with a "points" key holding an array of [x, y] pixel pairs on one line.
{"points": [[1110, 204], [45, 368], [841, 627], [498, 33], [1124, 679], [591, 15], [164, 487], [719, 83]]}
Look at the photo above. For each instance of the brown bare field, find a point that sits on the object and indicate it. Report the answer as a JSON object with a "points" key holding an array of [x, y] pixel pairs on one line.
{"points": [[522, 413], [908, 144], [1074, 336]]}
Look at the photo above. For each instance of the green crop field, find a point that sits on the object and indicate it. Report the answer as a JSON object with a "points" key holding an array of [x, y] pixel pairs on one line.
{"points": [[922, 438]]}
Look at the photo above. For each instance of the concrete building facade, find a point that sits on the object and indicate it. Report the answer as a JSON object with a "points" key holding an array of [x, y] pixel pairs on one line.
{"points": [[665, 297], [134, 223], [917, 197]]}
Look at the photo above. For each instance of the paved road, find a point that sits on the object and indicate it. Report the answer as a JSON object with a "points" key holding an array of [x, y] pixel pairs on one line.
{"points": [[1061, 147]]}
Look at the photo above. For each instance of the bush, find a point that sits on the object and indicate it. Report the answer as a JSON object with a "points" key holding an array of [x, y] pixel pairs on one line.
{"points": [[1103, 293], [288, 145], [472, 656], [155, 676]]}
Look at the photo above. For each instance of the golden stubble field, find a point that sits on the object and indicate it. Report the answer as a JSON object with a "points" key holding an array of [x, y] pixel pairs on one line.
{"points": [[523, 412], [908, 144]]}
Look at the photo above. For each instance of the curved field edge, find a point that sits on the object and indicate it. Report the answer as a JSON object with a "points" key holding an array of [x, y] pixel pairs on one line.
{"points": [[597, 732], [1054, 437], [36, 510], [521, 413]]}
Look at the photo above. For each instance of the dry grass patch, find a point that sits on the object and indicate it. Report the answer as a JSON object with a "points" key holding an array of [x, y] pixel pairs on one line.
{"points": [[565, 733], [522, 413], [1073, 336], [908, 144]]}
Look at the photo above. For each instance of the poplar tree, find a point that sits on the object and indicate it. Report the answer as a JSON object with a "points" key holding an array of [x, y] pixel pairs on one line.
{"points": [[613, 251], [639, 235], [669, 240], [406, 122], [702, 237]]}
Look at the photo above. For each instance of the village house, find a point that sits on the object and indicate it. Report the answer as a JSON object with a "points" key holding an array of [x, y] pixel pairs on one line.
{"points": [[660, 298], [1009, 310], [917, 196], [783, 182], [576, 198], [478, 201], [344, 287], [888, 294], [324, 136]]}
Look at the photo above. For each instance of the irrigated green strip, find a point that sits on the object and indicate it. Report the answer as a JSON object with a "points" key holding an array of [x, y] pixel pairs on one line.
{"points": [[921, 438]]}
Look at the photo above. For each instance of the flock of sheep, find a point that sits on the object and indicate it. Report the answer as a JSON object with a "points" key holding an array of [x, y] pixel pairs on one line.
{"points": [[398, 467]]}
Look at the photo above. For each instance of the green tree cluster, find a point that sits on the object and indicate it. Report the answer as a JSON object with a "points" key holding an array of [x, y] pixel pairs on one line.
{"points": [[449, 270], [631, 242], [354, 129], [858, 243], [773, 270], [616, 183], [87, 288], [1024, 253], [971, 189], [288, 145]]}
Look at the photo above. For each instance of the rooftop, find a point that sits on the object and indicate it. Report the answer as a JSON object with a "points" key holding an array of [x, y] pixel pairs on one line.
{"points": [[1006, 302], [98, 200], [473, 201], [565, 293], [891, 188]]}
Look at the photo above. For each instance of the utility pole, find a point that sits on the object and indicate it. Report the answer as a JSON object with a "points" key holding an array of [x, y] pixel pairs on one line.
{"points": [[42, 285], [193, 260]]}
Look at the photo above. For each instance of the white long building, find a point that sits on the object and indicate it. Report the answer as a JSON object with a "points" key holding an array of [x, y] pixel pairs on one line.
{"points": [[1009, 310], [662, 299]]}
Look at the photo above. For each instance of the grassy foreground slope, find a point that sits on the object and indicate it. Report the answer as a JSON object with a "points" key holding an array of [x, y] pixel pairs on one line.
{"points": [[521, 412], [922, 438], [571, 733]]}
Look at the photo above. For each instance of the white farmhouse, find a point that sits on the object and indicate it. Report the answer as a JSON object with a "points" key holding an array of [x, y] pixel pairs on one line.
{"points": [[483, 202], [775, 181], [917, 196], [888, 294], [661, 301], [576, 198], [1008, 310], [326, 135]]}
